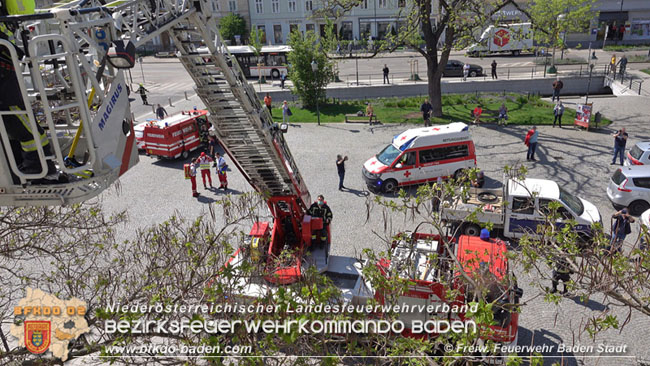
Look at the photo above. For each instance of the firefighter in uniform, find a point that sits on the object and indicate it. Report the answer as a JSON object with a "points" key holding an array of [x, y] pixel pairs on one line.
{"points": [[562, 272], [322, 210], [143, 94], [18, 127], [204, 163]]}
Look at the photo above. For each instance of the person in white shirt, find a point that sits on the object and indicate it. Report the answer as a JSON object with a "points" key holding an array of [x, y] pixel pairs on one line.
{"points": [[221, 172]]}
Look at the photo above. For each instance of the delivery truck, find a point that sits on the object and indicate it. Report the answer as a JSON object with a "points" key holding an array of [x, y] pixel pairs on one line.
{"points": [[518, 208], [512, 38]]}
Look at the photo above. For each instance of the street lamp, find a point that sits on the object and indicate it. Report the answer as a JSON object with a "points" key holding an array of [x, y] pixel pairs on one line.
{"points": [[314, 68], [591, 68]]}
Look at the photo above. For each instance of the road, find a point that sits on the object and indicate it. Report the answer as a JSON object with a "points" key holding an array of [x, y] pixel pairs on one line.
{"points": [[579, 161]]}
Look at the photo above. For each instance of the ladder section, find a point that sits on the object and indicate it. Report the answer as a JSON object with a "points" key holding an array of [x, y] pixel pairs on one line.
{"points": [[245, 129]]}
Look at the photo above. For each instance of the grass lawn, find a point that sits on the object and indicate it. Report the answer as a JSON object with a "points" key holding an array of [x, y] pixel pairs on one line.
{"points": [[647, 71], [456, 108]]}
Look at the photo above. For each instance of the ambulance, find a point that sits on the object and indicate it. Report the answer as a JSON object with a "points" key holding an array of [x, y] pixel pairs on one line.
{"points": [[421, 155], [177, 135]]}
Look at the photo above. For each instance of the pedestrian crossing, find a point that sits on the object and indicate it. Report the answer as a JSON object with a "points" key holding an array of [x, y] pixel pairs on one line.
{"points": [[517, 64], [173, 87]]}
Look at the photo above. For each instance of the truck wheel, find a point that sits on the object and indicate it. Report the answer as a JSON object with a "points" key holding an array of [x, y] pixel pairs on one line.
{"points": [[472, 74], [390, 186], [459, 174], [516, 53], [185, 154], [638, 207], [275, 73], [472, 230]]}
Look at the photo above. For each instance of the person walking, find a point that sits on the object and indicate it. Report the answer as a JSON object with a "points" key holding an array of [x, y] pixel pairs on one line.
{"points": [[286, 112], [143, 94], [561, 272], [161, 112], [340, 167], [193, 166], [531, 142], [558, 111], [494, 69], [283, 78], [622, 63], [268, 102], [503, 115], [222, 168], [322, 210], [612, 63], [385, 70], [204, 164], [212, 146], [620, 228], [620, 139], [426, 108], [557, 88], [369, 112], [465, 71]]}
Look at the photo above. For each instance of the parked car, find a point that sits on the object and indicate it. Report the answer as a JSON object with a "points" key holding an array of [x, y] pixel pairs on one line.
{"points": [[639, 154], [165, 54], [630, 187], [455, 68]]}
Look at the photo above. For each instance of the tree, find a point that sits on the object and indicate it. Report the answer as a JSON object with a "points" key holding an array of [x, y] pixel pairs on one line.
{"points": [[233, 25], [255, 42], [307, 84]]}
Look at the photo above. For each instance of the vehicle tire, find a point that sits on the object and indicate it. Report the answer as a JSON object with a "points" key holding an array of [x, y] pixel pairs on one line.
{"points": [[459, 174], [390, 186], [516, 53], [472, 74], [275, 73], [185, 154], [487, 197], [471, 230], [638, 207]]}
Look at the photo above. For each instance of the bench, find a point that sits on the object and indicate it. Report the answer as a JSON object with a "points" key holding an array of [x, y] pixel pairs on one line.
{"points": [[486, 115], [353, 118]]}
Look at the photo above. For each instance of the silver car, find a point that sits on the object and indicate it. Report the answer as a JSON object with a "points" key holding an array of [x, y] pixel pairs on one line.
{"points": [[639, 154], [630, 187]]}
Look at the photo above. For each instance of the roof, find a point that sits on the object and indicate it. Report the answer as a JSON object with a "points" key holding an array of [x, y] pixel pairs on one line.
{"points": [[636, 171], [543, 187], [643, 145], [174, 119], [408, 138]]}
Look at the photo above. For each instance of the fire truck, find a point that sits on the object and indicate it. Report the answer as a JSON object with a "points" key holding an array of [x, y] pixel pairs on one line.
{"points": [[177, 135]]}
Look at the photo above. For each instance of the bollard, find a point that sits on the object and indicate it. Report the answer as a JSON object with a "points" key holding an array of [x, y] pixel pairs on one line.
{"points": [[640, 82], [532, 73], [369, 83], [580, 73], [508, 73], [170, 102], [186, 98]]}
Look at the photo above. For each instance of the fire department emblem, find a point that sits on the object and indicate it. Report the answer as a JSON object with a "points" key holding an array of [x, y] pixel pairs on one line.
{"points": [[37, 336], [501, 37]]}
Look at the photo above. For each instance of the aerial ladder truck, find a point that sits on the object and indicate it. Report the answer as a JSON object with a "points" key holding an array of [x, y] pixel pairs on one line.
{"points": [[72, 75]]}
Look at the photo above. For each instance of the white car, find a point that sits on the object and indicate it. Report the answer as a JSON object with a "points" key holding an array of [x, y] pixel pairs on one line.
{"points": [[139, 135], [639, 154], [630, 187]]}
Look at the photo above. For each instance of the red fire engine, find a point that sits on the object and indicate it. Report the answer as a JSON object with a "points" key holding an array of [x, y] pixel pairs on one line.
{"points": [[424, 260], [177, 135]]}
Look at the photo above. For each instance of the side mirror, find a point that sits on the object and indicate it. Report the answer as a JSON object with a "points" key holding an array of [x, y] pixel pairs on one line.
{"points": [[121, 55], [284, 127]]}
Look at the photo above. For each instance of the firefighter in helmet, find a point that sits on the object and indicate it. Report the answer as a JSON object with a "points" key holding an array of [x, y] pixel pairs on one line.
{"points": [[322, 210], [19, 130]]}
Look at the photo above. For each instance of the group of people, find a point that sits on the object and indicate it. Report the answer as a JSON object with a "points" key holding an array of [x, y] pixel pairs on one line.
{"points": [[202, 164], [622, 64]]}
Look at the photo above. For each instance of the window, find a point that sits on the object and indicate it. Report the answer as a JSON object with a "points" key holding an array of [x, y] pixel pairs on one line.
{"points": [[293, 27], [310, 27], [277, 33], [346, 31], [408, 159], [309, 6], [292, 6], [382, 3], [562, 211], [523, 205], [259, 6], [232, 6], [642, 182], [364, 29], [262, 31], [364, 4], [215, 5], [572, 202], [401, 3], [275, 6], [636, 152], [388, 155], [444, 153]]}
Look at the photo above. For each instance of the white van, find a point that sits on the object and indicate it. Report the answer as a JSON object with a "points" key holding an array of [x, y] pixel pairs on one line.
{"points": [[421, 155]]}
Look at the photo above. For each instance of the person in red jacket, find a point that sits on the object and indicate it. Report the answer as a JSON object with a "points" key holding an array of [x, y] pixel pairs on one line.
{"points": [[192, 174], [204, 163]]}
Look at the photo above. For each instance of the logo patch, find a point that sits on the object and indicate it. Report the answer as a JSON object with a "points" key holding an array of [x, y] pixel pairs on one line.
{"points": [[501, 37], [37, 335]]}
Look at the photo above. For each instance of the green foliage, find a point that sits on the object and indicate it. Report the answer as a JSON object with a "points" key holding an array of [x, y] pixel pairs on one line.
{"points": [[231, 25], [551, 18], [255, 40], [307, 84]]}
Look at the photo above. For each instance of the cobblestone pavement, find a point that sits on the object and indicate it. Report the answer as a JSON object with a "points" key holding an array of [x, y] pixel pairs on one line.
{"points": [[576, 159]]}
